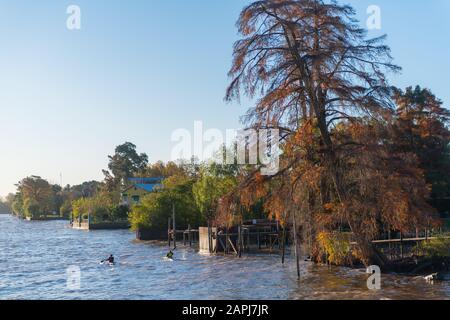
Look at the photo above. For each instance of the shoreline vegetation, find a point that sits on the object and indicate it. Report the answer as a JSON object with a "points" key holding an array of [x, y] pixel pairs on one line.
{"points": [[360, 159]]}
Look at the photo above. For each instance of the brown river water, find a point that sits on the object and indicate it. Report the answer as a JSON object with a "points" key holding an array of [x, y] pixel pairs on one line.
{"points": [[35, 257]]}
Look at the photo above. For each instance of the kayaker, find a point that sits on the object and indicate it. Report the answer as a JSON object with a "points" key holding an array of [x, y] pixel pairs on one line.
{"points": [[170, 255], [110, 259]]}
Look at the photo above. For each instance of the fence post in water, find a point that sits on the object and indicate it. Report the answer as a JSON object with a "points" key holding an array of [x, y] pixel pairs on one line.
{"points": [[239, 241], [295, 244], [174, 231], [189, 235], [390, 245], [226, 240], [168, 232], [209, 238], [401, 245], [258, 239], [283, 244]]}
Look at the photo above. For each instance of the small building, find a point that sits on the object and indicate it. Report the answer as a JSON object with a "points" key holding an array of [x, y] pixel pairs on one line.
{"points": [[138, 188]]}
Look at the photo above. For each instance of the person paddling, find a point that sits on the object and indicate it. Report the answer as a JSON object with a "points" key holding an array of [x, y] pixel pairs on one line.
{"points": [[170, 255], [109, 260]]}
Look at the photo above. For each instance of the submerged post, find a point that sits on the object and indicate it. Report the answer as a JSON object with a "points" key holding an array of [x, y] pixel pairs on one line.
{"points": [[294, 223], [239, 241], [283, 243], [189, 235], [168, 231], [209, 238], [401, 245], [226, 239], [174, 231]]}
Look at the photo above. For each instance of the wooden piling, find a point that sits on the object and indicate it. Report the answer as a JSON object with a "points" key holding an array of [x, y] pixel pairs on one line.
{"points": [[283, 245], [190, 235], [390, 246], [239, 241], [168, 232], [401, 245], [209, 238], [226, 240], [258, 240], [294, 223], [174, 232]]}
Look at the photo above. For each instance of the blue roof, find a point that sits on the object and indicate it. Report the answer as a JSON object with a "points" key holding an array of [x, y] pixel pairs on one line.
{"points": [[147, 187]]}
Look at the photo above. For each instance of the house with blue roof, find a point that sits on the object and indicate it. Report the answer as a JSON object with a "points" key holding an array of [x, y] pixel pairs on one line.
{"points": [[138, 188]]}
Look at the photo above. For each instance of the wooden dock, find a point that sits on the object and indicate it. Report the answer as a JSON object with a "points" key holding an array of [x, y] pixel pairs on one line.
{"points": [[259, 235]]}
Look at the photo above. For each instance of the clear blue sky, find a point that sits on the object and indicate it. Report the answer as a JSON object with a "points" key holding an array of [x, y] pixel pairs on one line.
{"points": [[137, 70]]}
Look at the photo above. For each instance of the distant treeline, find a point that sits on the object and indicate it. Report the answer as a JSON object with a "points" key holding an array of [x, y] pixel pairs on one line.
{"points": [[5, 206], [192, 188], [37, 198]]}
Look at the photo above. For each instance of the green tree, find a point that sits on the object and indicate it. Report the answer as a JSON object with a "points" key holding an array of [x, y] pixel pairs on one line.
{"points": [[215, 181], [32, 209], [422, 127], [156, 208], [37, 196], [66, 209], [161, 169], [17, 205], [125, 163], [103, 207]]}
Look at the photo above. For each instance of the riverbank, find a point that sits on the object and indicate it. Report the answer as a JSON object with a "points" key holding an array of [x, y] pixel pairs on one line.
{"points": [[106, 225], [47, 218]]}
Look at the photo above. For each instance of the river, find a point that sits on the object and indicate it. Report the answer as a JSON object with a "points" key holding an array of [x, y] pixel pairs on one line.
{"points": [[34, 257]]}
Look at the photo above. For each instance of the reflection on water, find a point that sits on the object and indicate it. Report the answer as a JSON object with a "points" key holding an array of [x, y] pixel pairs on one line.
{"points": [[34, 257]]}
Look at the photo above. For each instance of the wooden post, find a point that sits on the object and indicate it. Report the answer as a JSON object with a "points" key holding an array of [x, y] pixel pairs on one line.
{"points": [[258, 239], [283, 244], [239, 241], [168, 232], [189, 235], [226, 240], [209, 238], [401, 245], [390, 245], [174, 231], [278, 235], [294, 223]]}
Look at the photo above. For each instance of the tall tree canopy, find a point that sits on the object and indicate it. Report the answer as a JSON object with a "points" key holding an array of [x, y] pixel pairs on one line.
{"points": [[314, 73], [422, 127], [35, 197], [125, 163]]}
